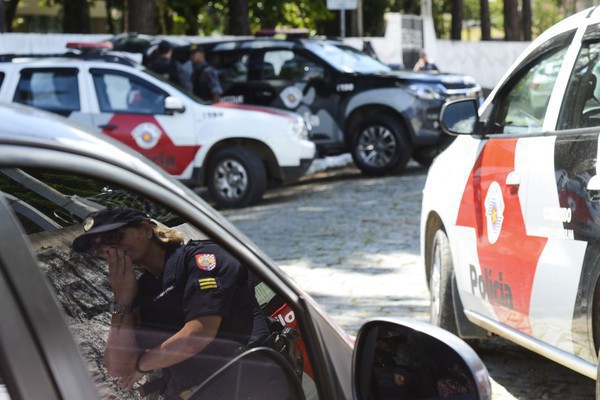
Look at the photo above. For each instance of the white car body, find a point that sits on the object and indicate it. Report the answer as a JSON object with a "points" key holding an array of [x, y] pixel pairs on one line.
{"points": [[180, 141], [514, 197]]}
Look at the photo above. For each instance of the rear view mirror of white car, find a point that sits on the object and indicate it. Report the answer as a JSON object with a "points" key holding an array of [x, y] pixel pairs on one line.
{"points": [[459, 117], [405, 359]]}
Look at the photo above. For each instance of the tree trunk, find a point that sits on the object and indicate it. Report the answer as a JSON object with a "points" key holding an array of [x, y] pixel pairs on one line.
{"points": [[484, 14], [511, 20], [109, 21], [457, 18], [76, 16], [10, 12], [142, 16], [238, 18], [526, 21], [2, 18]]}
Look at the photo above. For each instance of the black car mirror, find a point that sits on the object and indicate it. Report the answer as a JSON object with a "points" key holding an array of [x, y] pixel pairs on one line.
{"points": [[259, 373], [459, 117], [403, 359], [174, 105]]}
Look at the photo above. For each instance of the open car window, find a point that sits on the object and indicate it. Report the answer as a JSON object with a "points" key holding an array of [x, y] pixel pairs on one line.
{"points": [[51, 207]]}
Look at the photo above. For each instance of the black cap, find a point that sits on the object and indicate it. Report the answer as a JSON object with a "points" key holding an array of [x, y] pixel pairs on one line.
{"points": [[164, 46], [105, 220]]}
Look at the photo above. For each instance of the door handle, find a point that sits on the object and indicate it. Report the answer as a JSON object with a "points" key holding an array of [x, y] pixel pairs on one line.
{"points": [[513, 178], [108, 127], [264, 93]]}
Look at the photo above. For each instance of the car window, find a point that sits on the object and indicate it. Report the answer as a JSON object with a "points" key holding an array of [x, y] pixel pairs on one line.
{"points": [[288, 65], [581, 104], [345, 58], [522, 108], [123, 93], [231, 66], [53, 90], [50, 207]]}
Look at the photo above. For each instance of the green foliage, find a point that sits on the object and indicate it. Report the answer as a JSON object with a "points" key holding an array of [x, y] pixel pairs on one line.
{"points": [[267, 14], [545, 14]]}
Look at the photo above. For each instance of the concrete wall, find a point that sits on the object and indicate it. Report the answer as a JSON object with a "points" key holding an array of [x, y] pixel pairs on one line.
{"points": [[485, 61]]}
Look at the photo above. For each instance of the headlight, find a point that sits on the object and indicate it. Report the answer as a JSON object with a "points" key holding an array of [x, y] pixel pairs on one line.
{"points": [[425, 92], [299, 128]]}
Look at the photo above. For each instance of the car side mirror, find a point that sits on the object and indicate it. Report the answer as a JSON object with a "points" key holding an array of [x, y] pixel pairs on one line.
{"points": [[259, 373], [460, 117], [406, 359], [174, 105]]}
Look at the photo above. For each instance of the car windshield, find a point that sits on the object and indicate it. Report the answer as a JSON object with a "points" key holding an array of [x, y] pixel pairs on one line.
{"points": [[346, 58]]}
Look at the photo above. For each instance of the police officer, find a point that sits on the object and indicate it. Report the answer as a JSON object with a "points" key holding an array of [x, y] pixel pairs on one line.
{"points": [[188, 313], [163, 63], [205, 79]]}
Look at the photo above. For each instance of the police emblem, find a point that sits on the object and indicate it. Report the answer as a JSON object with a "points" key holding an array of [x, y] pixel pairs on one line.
{"points": [[494, 211], [146, 135], [206, 262], [291, 96], [87, 225]]}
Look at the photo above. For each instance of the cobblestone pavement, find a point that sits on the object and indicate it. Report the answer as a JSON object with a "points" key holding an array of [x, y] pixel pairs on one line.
{"points": [[352, 242]]}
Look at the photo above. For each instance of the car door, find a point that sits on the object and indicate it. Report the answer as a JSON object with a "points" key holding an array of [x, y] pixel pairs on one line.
{"points": [[35, 345], [500, 252], [48, 205], [564, 208], [132, 110]]}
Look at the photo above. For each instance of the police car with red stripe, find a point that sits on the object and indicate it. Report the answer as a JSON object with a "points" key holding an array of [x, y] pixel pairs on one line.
{"points": [[236, 151], [510, 228]]}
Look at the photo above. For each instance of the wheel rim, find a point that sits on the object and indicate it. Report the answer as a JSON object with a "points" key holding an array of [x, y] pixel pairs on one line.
{"points": [[231, 179], [434, 283], [376, 146]]}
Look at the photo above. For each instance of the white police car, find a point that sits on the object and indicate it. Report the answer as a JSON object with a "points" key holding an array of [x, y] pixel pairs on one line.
{"points": [[55, 302], [510, 226], [236, 151]]}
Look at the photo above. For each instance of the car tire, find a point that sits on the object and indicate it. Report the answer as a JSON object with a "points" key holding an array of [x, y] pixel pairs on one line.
{"points": [[236, 178], [440, 283], [380, 145]]}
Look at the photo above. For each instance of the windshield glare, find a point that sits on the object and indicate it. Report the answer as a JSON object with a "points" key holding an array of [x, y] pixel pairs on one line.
{"points": [[346, 58]]}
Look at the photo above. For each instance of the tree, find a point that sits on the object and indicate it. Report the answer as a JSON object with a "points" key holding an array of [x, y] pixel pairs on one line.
{"points": [[457, 19], [484, 13], [511, 20], [239, 23], [526, 20], [142, 16], [76, 16]]}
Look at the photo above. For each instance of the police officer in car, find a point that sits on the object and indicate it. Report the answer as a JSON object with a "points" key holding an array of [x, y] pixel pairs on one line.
{"points": [[190, 311]]}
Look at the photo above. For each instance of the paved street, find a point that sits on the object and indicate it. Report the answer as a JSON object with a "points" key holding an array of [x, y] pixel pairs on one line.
{"points": [[352, 242]]}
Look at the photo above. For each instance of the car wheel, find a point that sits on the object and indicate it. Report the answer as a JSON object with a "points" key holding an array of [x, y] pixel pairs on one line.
{"points": [[236, 178], [380, 145], [440, 283]]}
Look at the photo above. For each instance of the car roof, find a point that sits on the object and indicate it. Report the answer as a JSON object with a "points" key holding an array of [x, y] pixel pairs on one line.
{"points": [[261, 42], [30, 127], [73, 58]]}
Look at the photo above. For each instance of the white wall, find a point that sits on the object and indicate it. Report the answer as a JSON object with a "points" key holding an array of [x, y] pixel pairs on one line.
{"points": [[485, 61]]}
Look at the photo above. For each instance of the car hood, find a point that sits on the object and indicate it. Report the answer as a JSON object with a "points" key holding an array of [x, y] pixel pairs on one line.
{"points": [[408, 77]]}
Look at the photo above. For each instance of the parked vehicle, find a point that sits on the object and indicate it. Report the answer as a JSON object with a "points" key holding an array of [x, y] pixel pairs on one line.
{"points": [[353, 102], [510, 220], [237, 152], [55, 301]]}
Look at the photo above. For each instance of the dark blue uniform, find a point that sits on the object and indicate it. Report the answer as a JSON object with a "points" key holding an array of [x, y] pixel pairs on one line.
{"points": [[199, 279]]}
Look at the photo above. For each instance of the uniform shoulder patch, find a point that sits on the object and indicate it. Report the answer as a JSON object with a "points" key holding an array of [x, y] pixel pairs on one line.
{"points": [[206, 262]]}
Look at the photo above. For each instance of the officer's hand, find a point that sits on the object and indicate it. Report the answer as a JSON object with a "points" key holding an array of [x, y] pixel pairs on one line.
{"points": [[128, 381], [120, 275]]}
